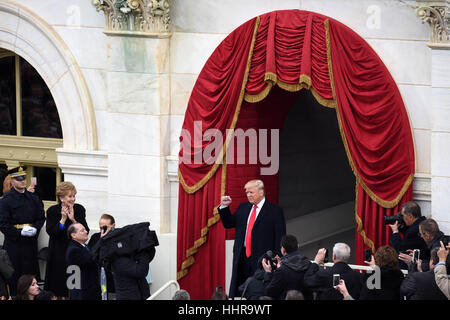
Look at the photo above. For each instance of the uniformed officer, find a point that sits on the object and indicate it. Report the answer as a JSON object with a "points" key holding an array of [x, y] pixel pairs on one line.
{"points": [[21, 218]]}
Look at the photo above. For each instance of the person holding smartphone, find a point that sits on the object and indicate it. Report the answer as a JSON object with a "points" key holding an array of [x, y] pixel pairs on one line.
{"points": [[59, 218], [321, 281], [385, 263], [422, 285]]}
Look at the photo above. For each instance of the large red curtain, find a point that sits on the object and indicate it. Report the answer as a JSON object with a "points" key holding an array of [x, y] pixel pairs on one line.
{"points": [[249, 82]]}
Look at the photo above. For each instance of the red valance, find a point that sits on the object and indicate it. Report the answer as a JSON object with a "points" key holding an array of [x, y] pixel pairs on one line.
{"points": [[294, 50]]}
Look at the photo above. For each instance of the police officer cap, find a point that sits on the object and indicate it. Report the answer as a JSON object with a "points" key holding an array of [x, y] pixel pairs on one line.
{"points": [[18, 173]]}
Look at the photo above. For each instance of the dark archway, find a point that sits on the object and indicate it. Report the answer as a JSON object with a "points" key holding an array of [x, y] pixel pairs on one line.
{"points": [[316, 183]]}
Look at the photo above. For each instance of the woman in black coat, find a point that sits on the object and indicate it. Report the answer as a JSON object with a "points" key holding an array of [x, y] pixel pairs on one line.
{"points": [[391, 278], [59, 218]]}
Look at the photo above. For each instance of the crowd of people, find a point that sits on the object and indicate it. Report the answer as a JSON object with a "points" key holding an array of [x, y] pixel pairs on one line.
{"points": [[267, 263], [74, 269], [259, 273]]}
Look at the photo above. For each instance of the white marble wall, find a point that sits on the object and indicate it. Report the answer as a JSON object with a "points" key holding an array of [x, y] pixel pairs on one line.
{"points": [[440, 137], [140, 88]]}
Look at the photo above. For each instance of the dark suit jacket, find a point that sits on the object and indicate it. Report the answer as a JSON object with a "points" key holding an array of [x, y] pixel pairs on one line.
{"points": [[391, 279], [421, 286], [267, 232], [81, 256], [321, 281]]}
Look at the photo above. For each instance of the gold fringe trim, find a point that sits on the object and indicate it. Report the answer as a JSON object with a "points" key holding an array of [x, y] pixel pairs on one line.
{"points": [[359, 224], [304, 83], [324, 102], [201, 183], [270, 76], [372, 195], [190, 260], [253, 98]]}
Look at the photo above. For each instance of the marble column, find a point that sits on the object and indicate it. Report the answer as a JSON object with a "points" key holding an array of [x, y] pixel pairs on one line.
{"points": [[138, 122], [437, 14]]}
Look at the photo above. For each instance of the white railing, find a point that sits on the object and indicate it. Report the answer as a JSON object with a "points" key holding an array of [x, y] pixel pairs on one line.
{"points": [[359, 268], [164, 287]]}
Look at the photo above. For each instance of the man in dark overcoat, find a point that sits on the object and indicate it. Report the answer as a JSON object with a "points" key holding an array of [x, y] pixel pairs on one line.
{"points": [[21, 218], [259, 226], [83, 282]]}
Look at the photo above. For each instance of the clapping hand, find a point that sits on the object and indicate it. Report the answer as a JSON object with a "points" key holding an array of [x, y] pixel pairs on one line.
{"points": [[67, 212]]}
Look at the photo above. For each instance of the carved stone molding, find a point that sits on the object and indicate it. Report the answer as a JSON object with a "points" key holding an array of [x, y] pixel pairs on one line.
{"points": [[136, 17], [437, 14]]}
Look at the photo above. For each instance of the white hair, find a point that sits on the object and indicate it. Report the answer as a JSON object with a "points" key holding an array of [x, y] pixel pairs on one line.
{"points": [[341, 251]]}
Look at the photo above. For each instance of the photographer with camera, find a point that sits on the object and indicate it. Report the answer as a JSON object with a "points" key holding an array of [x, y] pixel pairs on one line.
{"points": [[321, 281], [407, 222], [286, 273]]}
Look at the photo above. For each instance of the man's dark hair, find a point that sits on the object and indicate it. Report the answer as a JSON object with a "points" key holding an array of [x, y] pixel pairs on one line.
{"points": [[430, 226], [435, 258], [289, 243], [71, 230], [412, 208], [108, 217]]}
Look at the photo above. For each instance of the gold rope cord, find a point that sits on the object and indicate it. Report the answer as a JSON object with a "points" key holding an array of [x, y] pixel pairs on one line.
{"points": [[190, 260]]}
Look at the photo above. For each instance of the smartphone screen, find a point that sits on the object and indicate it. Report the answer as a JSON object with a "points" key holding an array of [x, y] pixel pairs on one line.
{"points": [[33, 181], [336, 279], [416, 255]]}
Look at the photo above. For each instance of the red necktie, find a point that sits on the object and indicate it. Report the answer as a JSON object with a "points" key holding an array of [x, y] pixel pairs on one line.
{"points": [[248, 239]]}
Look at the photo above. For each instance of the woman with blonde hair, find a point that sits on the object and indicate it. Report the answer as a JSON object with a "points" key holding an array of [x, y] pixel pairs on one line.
{"points": [[59, 218]]}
